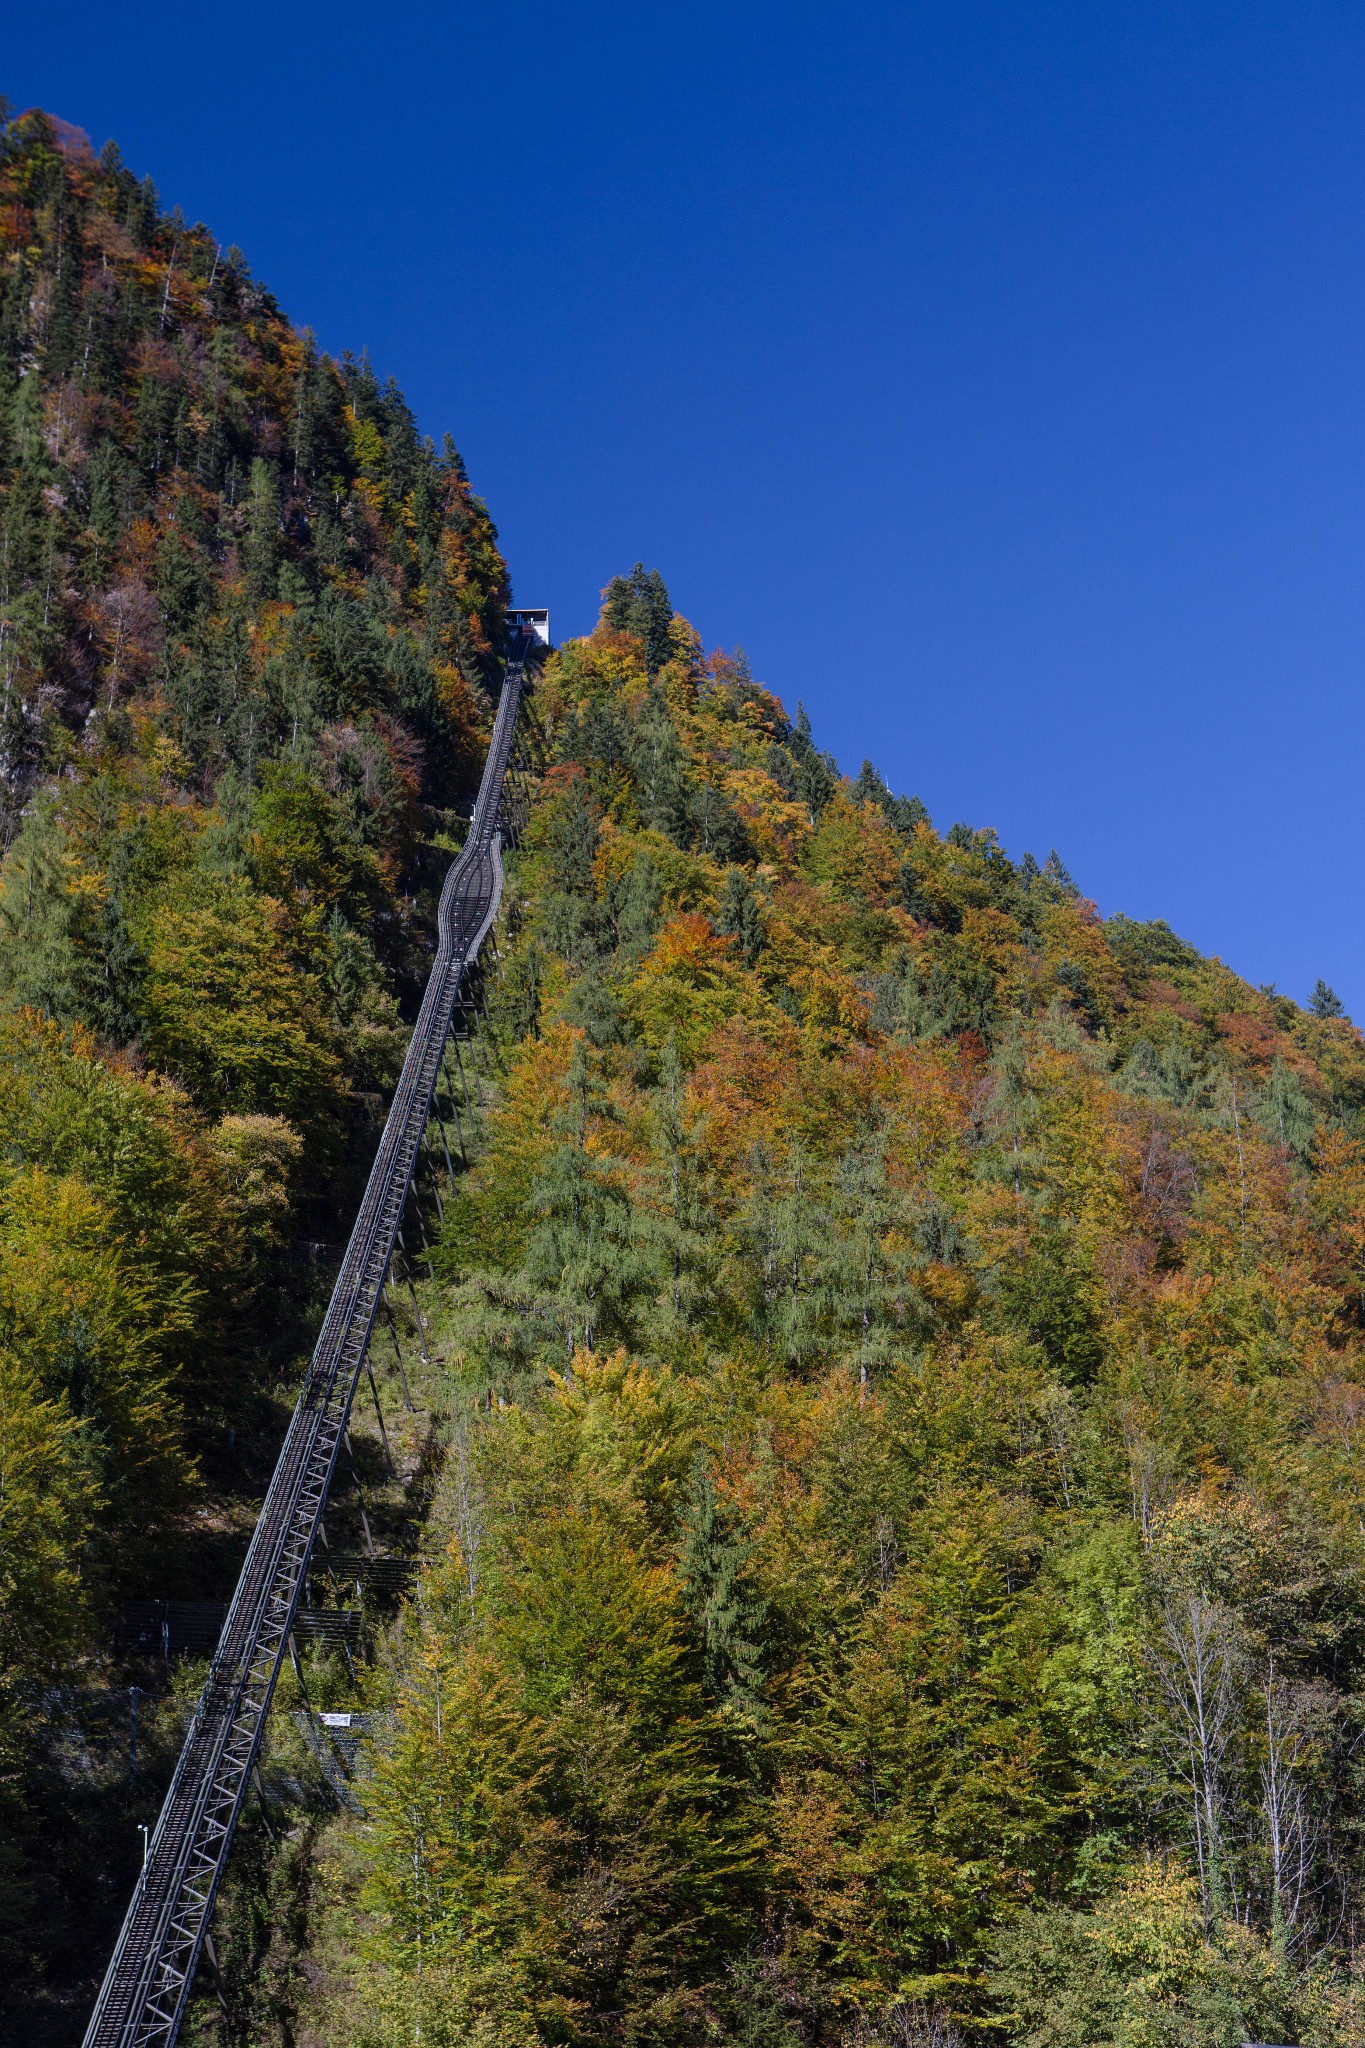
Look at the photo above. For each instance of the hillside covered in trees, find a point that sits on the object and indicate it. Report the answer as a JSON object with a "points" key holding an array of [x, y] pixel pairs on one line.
{"points": [[897, 1576], [886, 1458], [248, 618]]}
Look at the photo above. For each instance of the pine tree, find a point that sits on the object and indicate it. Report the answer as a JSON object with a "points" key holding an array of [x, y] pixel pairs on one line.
{"points": [[1013, 1104], [1324, 1001], [261, 549], [638, 907], [906, 812], [869, 787], [120, 964], [584, 1247], [572, 918], [1056, 874], [816, 775], [678, 1233], [640, 604], [861, 1284], [1051, 1296], [789, 1231], [1286, 1111], [740, 915], [730, 1614]]}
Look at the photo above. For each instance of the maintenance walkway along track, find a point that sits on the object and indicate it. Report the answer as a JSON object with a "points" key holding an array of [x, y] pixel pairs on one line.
{"points": [[150, 1976]]}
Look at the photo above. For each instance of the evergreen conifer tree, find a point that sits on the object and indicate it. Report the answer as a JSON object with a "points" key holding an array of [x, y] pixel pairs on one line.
{"points": [[573, 920], [861, 1282], [906, 812], [638, 906], [1056, 873], [740, 915], [585, 1246], [730, 1613], [1286, 1111], [640, 604], [261, 549], [679, 1226], [869, 787]]}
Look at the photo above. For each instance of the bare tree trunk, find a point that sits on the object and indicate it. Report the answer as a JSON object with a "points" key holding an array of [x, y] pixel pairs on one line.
{"points": [[1198, 1665], [1289, 1833]]}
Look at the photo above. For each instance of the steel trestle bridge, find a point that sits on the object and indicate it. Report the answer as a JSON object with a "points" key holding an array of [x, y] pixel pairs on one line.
{"points": [[147, 1985]]}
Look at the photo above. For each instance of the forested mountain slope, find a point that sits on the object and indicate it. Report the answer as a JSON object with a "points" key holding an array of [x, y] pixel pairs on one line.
{"points": [[898, 1572], [894, 1561], [247, 617]]}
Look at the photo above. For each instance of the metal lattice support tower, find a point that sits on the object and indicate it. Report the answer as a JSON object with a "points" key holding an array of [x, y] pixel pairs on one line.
{"points": [[148, 1982]]}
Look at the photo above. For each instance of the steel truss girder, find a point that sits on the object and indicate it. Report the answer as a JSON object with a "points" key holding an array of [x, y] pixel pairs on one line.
{"points": [[151, 1973]]}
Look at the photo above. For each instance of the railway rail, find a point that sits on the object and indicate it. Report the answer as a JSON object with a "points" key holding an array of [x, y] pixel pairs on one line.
{"points": [[142, 2000]]}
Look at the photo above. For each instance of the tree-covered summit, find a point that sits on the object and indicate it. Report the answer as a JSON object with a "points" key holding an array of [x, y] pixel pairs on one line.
{"points": [[249, 620], [896, 1578], [880, 1504]]}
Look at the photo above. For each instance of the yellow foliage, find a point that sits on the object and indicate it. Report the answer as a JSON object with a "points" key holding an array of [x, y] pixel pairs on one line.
{"points": [[778, 826], [1072, 934], [258, 1157], [49, 1498], [96, 1326], [689, 984], [367, 445], [855, 852]]}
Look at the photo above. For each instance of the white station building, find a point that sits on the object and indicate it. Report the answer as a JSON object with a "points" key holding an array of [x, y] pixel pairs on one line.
{"points": [[537, 618]]}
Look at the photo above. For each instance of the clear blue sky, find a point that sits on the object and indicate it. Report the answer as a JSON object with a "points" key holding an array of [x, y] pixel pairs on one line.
{"points": [[995, 374]]}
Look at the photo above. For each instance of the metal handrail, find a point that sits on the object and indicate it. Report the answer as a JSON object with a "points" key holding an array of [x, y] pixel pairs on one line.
{"points": [[142, 2000]]}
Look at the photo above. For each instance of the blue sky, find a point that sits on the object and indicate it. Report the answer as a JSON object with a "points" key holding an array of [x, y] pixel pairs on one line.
{"points": [[994, 374]]}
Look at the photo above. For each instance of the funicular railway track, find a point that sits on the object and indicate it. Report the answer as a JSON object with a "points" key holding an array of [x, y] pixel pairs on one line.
{"points": [[148, 1982]]}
